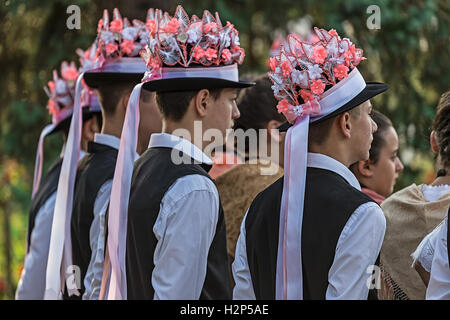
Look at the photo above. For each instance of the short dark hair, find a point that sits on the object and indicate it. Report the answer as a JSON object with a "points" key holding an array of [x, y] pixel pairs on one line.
{"points": [[378, 142], [174, 105], [109, 94]]}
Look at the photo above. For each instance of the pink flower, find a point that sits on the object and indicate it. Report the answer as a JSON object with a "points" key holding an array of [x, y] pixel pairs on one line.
{"points": [[51, 86], [317, 87], [306, 95], [172, 26], [151, 25], [127, 47], [273, 63], [111, 48], [340, 71], [319, 54], [211, 54], [333, 33], [70, 74], [199, 53], [226, 55], [153, 64], [286, 68], [99, 25], [116, 25], [283, 106], [212, 26], [52, 109]]}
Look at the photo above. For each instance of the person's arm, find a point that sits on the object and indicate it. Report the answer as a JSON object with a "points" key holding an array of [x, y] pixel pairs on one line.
{"points": [[439, 284], [423, 255], [357, 249], [185, 229], [243, 289], [31, 285], [94, 273]]}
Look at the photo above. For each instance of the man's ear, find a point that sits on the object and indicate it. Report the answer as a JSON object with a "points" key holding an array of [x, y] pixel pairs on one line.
{"points": [[364, 168], [124, 100], [344, 124], [272, 129], [433, 142], [201, 102]]}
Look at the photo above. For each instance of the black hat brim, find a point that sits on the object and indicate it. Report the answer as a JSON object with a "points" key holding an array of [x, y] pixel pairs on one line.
{"points": [[66, 122], [371, 90], [192, 84], [95, 79]]}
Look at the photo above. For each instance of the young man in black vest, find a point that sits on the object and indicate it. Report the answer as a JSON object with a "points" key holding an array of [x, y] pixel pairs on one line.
{"points": [[313, 234], [176, 244], [61, 93], [114, 82]]}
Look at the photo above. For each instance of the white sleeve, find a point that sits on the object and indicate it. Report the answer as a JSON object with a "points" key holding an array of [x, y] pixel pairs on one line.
{"points": [[184, 228], [425, 250], [94, 273], [357, 249], [31, 285], [439, 285], [243, 289]]}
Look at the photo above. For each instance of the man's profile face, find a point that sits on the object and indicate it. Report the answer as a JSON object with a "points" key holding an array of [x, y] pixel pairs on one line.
{"points": [[363, 128]]}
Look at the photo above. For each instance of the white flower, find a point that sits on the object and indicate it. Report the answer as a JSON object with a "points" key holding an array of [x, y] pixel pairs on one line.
{"points": [[107, 36], [129, 33], [194, 32], [299, 78], [61, 87], [315, 72], [298, 110]]}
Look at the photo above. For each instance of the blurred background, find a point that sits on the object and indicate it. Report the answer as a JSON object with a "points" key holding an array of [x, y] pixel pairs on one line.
{"points": [[410, 51]]}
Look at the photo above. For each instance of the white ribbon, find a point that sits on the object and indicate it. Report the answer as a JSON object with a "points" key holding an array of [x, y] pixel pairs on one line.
{"points": [[122, 65], [289, 273], [60, 250], [118, 206]]}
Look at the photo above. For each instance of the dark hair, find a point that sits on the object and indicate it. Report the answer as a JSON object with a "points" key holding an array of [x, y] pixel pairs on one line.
{"points": [[378, 142], [109, 94], [257, 106], [441, 127], [174, 105]]}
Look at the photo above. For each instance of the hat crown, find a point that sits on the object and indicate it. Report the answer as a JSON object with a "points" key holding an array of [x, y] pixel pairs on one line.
{"points": [[302, 70], [189, 42]]}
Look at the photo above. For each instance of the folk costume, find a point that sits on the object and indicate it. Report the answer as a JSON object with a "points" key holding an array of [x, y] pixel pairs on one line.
{"points": [[312, 234], [60, 104], [120, 62], [175, 235]]}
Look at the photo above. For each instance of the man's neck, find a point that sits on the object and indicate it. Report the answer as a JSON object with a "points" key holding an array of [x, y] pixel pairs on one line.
{"points": [[112, 128], [335, 152], [185, 131]]}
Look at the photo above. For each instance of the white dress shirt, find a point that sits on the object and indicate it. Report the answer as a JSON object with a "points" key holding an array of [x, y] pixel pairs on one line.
{"points": [[185, 228], [439, 285], [357, 248], [425, 250], [31, 285], [93, 278]]}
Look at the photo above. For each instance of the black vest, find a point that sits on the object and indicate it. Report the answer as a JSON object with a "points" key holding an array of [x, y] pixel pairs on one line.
{"points": [[329, 203], [94, 170], [153, 175], [47, 187]]}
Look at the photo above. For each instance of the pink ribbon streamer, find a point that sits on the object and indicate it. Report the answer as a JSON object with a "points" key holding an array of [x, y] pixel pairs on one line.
{"points": [[118, 207], [40, 158], [60, 251]]}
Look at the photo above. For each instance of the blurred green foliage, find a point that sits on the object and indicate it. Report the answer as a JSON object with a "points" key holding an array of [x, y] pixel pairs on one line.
{"points": [[410, 52]]}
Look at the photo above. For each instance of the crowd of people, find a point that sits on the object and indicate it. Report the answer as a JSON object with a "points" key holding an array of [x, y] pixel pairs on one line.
{"points": [[152, 198]]}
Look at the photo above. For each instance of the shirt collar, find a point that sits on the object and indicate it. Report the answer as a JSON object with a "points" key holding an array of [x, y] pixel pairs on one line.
{"points": [[170, 141], [321, 161], [107, 140]]}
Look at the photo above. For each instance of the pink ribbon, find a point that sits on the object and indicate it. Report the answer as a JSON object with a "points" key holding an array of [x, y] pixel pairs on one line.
{"points": [[291, 112]]}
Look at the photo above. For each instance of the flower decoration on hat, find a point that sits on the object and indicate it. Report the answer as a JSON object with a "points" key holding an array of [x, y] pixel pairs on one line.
{"points": [[120, 38], [303, 70], [184, 42], [61, 90]]}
